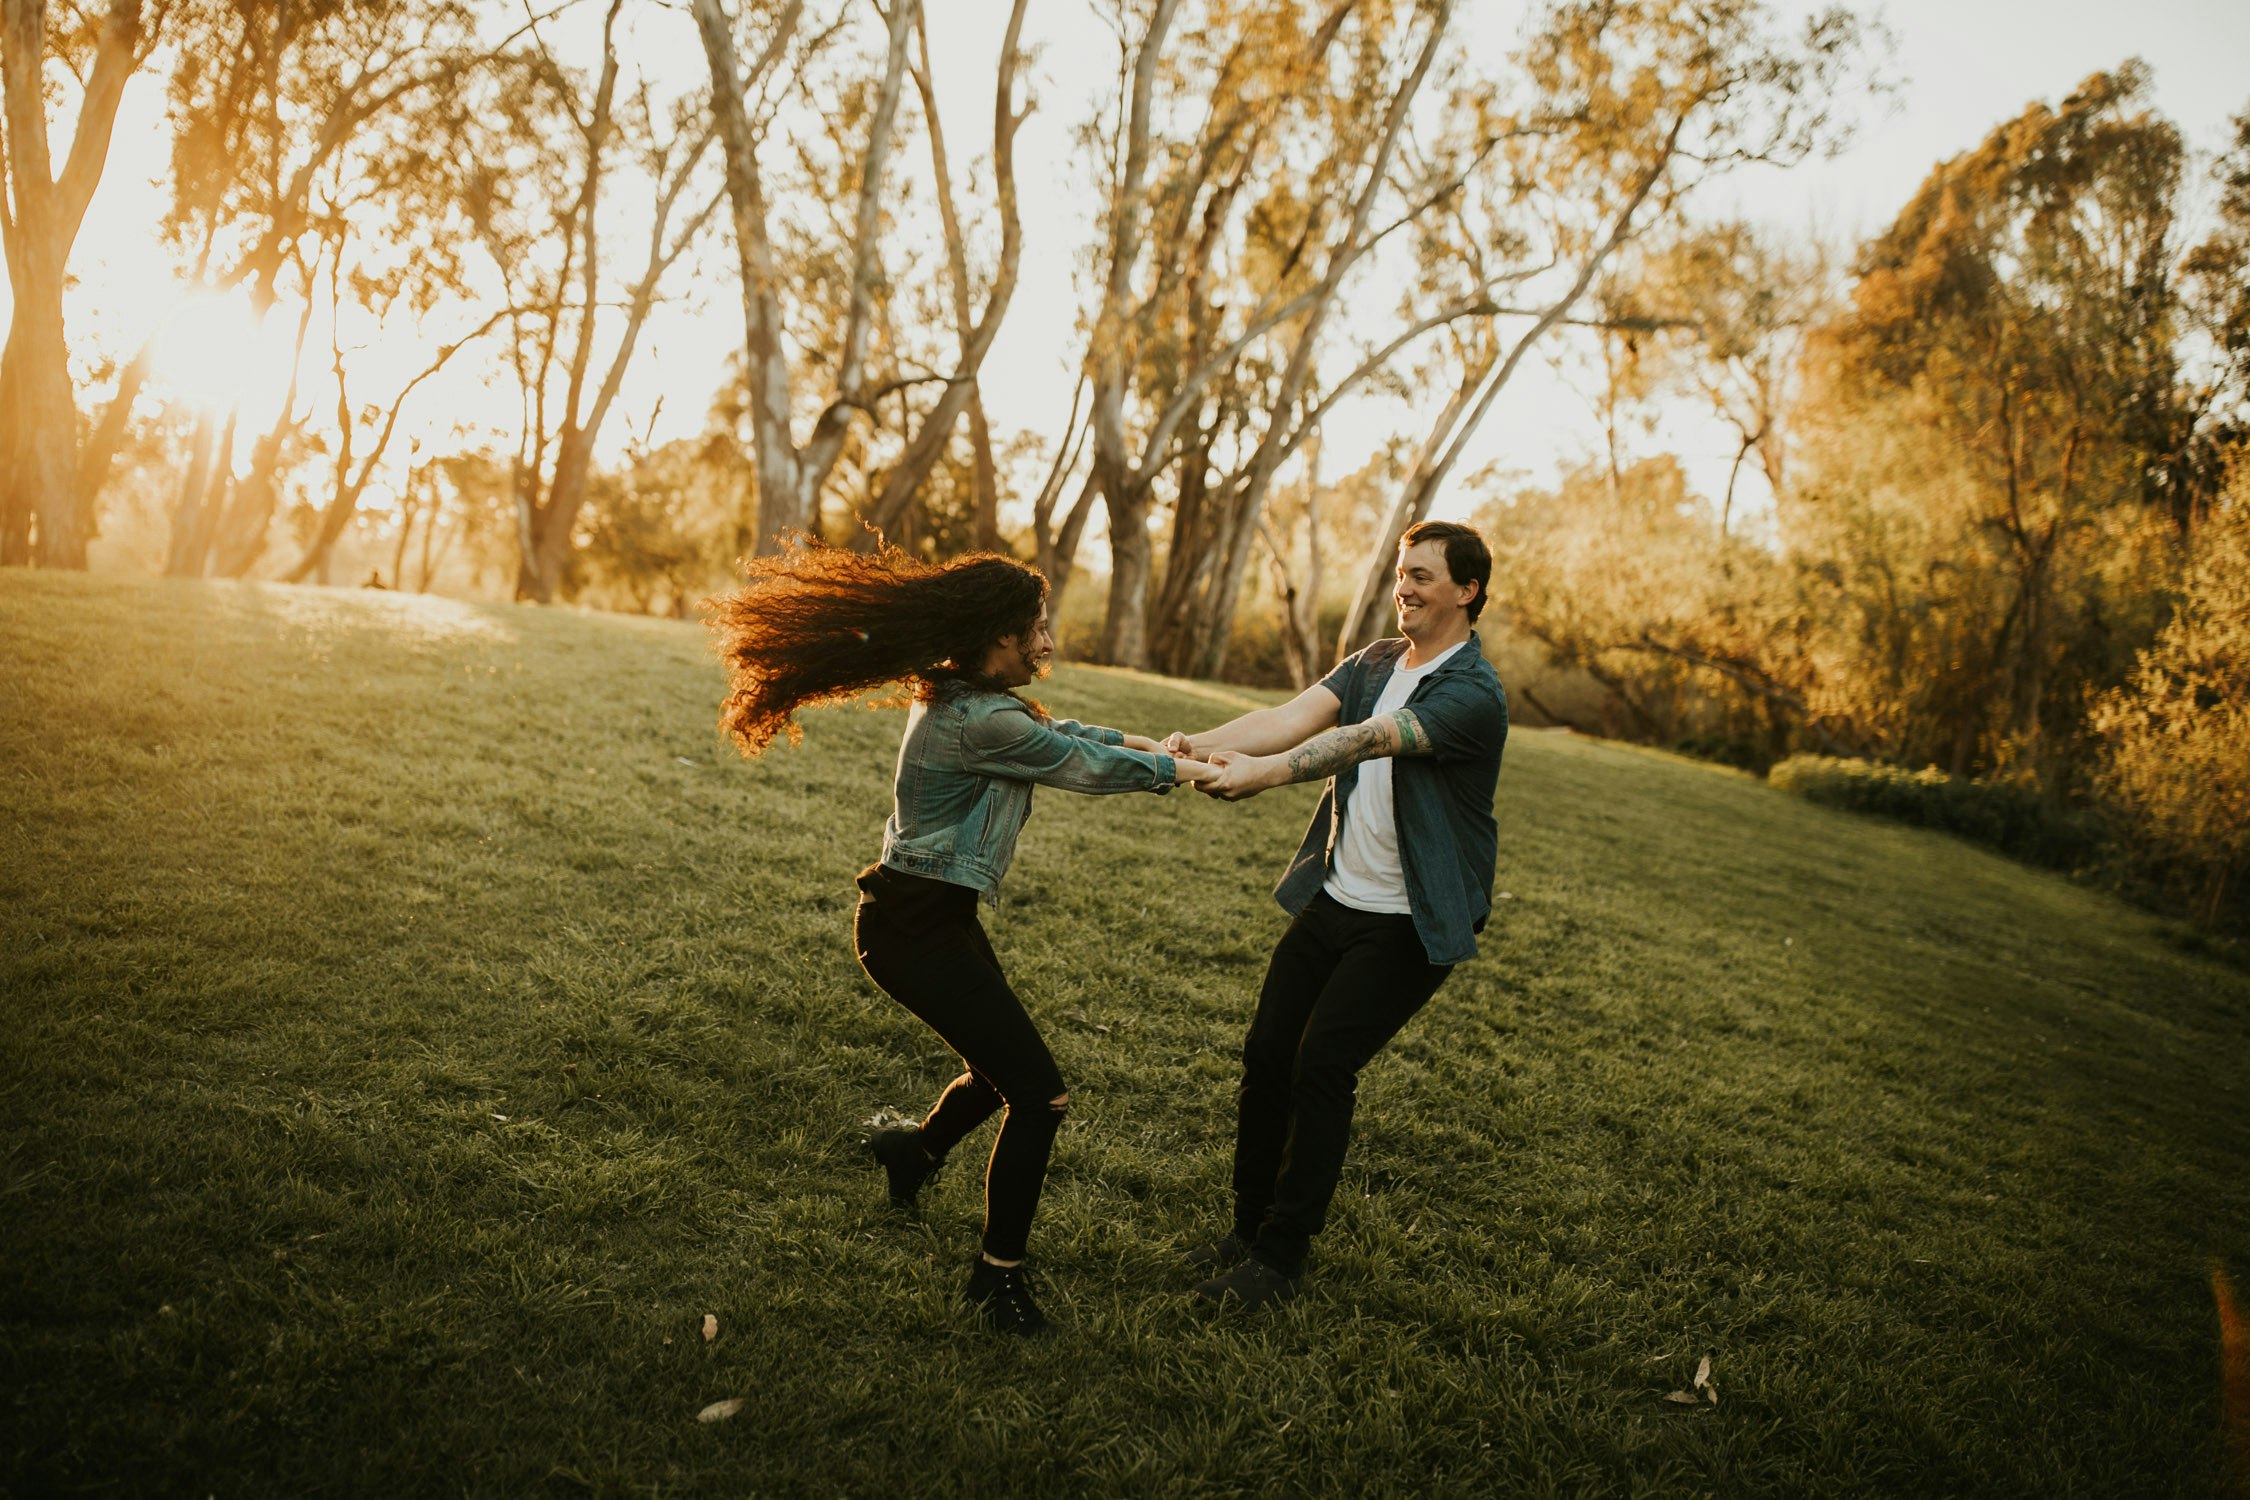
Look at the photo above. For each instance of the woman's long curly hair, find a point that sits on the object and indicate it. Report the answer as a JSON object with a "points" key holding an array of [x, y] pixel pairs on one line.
{"points": [[815, 624]]}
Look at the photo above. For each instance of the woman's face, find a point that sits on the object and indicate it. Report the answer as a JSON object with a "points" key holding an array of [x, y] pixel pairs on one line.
{"points": [[1019, 659]]}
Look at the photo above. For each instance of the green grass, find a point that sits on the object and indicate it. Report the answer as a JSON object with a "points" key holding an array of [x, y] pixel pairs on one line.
{"points": [[418, 1021]]}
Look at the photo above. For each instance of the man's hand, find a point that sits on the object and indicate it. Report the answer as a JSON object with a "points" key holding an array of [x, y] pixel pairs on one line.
{"points": [[1242, 776], [1324, 755]]}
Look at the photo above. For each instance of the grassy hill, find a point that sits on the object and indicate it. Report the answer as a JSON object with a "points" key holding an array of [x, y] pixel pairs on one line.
{"points": [[418, 1021]]}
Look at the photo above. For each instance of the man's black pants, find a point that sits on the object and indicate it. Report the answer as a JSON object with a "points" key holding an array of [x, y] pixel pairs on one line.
{"points": [[1341, 984]]}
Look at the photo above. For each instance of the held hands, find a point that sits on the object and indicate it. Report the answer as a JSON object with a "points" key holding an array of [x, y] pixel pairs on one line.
{"points": [[1188, 771], [1241, 776], [1226, 774]]}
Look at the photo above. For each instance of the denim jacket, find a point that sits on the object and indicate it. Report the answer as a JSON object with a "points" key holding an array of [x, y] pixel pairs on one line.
{"points": [[965, 772], [1448, 841]]}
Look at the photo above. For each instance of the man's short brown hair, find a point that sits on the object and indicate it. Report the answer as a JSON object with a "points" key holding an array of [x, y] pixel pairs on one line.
{"points": [[1467, 558]]}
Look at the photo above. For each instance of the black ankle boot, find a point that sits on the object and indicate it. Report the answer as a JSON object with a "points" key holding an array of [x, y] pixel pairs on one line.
{"points": [[1224, 1253], [904, 1162], [1002, 1298]]}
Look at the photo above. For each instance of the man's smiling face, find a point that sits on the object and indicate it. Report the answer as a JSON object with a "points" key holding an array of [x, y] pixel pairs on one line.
{"points": [[1429, 602]]}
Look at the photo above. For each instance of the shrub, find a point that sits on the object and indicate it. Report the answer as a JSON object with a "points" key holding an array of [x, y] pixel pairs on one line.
{"points": [[2007, 816]]}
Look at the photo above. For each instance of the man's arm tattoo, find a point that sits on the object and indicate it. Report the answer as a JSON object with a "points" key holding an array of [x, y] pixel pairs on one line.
{"points": [[1413, 739], [1324, 755]]}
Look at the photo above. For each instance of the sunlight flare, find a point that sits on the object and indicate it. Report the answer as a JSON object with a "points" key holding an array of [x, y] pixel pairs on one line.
{"points": [[217, 353]]}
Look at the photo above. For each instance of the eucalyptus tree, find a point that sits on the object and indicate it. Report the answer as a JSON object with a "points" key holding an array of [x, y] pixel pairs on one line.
{"points": [[266, 105], [392, 218], [2215, 299], [405, 284], [1247, 153], [1731, 308], [1611, 114], [46, 513], [2021, 317], [2174, 737], [1331, 228], [973, 334], [810, 127], [567, 137]]}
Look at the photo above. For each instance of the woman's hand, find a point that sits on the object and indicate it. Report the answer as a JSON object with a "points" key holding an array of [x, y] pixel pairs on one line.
{"points": [[1177, 744]]}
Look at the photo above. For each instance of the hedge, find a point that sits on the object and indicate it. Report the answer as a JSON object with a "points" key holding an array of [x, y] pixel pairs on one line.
{"points": [[2012, 818]]}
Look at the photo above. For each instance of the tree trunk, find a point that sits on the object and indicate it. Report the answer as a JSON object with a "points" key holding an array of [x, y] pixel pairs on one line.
{"points": [[46, 212], [15, 506], [242, 532], [1056, 552], [1125, 626], [99, 457], [986, 475], [190, 530], [789, 476], [409, 507], [45, 413], [541, 574]]}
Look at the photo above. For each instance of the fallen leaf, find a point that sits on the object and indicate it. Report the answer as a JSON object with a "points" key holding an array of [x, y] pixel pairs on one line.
{"points": [[1703, 1373], [710, 1327], [1712, 1392], [683, 760], [719, 1411], [1683, 1398]]}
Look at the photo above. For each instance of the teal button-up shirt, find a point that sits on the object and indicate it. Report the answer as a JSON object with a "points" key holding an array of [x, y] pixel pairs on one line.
{"points": [[1448, 840]]}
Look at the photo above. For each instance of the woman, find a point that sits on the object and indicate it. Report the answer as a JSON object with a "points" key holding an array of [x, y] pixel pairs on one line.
{"points": [[815, 625]]}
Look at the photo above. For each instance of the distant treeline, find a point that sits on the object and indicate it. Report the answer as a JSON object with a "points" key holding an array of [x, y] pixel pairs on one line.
{"points": [[1986, 507], [2010, 535]]}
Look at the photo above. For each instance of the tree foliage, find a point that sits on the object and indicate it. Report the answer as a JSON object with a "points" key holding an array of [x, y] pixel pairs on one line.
{"points": [[2174, 738]]}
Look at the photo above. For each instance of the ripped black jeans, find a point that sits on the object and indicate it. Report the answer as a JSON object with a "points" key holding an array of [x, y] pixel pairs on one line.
{"points": [[921, 941]]}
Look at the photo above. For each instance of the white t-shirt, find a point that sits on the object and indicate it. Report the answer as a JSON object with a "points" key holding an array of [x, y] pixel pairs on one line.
{"points": [[1366, 875]]}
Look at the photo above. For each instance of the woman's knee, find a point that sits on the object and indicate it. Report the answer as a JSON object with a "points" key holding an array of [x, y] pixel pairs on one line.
{"points": [[1042, 1113]]}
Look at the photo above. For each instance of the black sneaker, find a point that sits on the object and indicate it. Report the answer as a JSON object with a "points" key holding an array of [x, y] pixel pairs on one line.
{"points": [[1248, 1287], [1002, 1297], [1230, 1249], [904, 1162]]}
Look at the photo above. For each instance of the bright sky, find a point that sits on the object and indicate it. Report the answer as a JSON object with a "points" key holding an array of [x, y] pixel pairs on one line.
{"points": [[1963, 66]]}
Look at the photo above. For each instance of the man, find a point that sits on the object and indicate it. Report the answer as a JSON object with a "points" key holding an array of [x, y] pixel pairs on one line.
{"points": [[1392, 882]]}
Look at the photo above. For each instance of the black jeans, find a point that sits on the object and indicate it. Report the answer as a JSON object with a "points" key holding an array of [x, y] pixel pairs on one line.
{"points": [[921, 941], [1341, 984]]}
